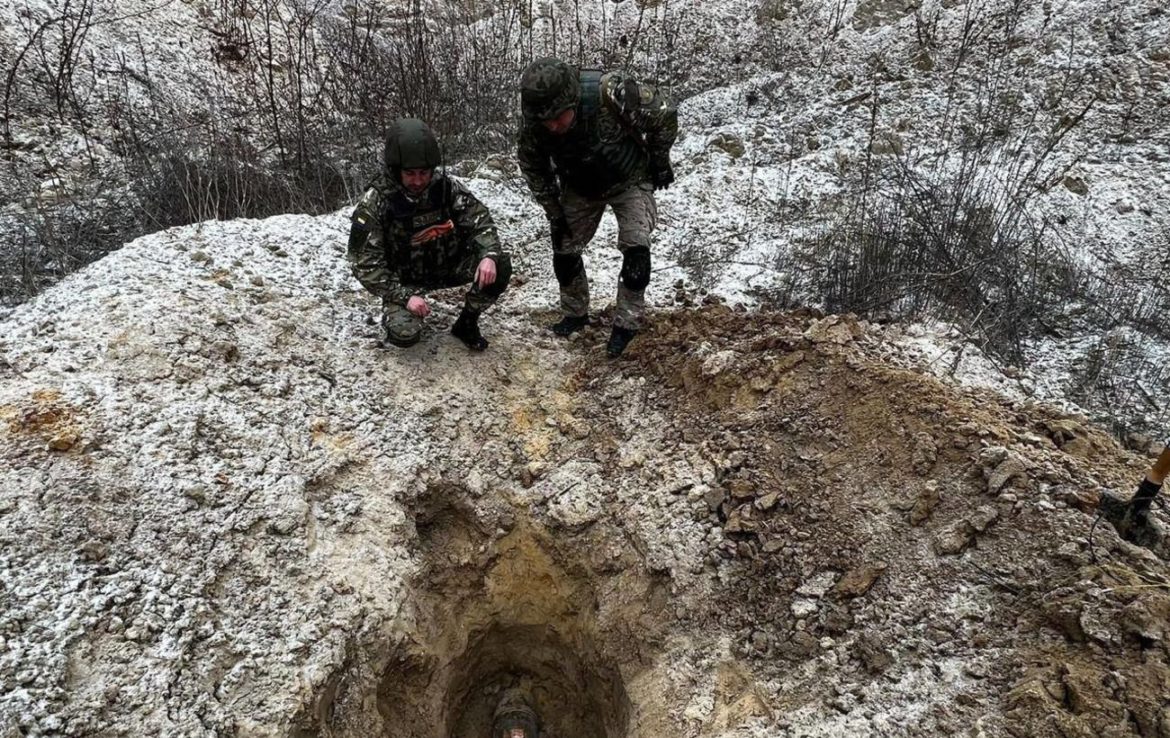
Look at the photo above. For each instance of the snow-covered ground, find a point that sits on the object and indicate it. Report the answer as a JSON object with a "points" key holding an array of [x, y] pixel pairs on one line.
{"points": [[223, 505], [212, 473], [214, 482]]}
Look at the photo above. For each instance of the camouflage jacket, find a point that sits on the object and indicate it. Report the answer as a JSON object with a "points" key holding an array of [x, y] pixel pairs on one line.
{"points": [[398, 243], [623, 129]]}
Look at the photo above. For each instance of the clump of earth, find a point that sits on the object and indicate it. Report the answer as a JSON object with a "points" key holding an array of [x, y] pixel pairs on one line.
{"points": [[224, 510]]}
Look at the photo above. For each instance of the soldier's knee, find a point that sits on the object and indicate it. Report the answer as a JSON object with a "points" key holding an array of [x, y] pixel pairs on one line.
{"points": [[401, 341], [403, 329], [635, 274], [566, 267], [503, 276]]}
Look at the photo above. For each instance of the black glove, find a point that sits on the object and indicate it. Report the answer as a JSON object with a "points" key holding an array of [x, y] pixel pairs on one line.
{"points": [[661, 175], [559, 230]]}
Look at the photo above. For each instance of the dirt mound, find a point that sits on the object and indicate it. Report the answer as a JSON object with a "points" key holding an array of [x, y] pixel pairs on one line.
{"points": [[752, 524], [869, 522]]}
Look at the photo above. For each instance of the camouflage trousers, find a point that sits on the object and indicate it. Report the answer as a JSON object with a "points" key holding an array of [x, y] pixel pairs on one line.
{"points": [[636, 214], [404, 328]]}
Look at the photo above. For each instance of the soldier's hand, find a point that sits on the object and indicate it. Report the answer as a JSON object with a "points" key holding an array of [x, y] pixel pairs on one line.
{"points": [[662, 176], [560, 231], [485, 273], [418, 306]]}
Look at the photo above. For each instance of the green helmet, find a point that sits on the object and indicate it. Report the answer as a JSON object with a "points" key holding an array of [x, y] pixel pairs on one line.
{"points": [[411, 144], [548, 88]]}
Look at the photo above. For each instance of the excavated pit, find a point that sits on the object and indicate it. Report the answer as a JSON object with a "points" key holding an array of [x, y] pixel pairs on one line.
{"points": [[496, 613], [570, 686]]}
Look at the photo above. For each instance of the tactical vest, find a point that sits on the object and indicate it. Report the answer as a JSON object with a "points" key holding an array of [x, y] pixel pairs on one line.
{"points": [[598, 156], [405, 219]]}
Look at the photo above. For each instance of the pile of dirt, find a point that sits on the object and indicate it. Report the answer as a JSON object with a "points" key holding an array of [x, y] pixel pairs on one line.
{"points": [[217, 519], [868, 521]]}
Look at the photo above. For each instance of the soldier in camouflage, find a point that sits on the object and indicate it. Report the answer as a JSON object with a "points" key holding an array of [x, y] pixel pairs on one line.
{"points": [[590, 140], [416, 229]]}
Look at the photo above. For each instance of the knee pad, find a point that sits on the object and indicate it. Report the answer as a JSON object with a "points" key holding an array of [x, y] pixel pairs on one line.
{"points": [[567, 267], [402, 341], [401, 334], [635, 274]]}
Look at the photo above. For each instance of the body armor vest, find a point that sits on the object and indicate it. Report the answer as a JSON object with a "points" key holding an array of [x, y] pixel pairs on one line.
{"points": [[598, 154], [423, 243]]}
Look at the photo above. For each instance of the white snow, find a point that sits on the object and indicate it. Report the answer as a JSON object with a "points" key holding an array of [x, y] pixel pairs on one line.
{"points": [[223, 376]]}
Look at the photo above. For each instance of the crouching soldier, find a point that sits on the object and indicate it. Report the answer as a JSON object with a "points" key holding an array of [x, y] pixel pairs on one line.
{"points": [[591, 140], [416, 229]]}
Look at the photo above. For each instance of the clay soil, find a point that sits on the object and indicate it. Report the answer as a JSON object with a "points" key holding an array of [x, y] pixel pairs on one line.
{"points": [[869, 550], [752, 524]]}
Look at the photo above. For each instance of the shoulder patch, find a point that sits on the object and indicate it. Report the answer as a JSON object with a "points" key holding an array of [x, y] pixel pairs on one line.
{"points": [[645, 94], [367, 209]]}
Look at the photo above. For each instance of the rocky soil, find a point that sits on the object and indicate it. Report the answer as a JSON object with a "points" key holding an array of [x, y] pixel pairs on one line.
{"points": [[224, 510]]}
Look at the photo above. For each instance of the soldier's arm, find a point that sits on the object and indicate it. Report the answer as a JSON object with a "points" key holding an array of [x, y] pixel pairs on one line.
{"points": [[474, 222], [645, 109], [367, 252], [536, 166]]}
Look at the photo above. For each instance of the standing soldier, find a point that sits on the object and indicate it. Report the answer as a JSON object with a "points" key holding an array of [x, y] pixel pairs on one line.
{"points": [[417, 229], [589, 140]]}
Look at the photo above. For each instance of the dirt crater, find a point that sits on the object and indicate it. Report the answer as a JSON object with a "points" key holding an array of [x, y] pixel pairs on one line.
{"points": [[501, 610]]}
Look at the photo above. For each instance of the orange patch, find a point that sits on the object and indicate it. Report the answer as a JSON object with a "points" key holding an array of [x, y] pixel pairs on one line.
{"points": [[46, 417], [432, 233]]}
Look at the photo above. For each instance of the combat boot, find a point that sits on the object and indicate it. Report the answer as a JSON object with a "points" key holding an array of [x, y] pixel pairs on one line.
{"points": [[570, 324], [1133, 521], [466, 329], [619, 338]]}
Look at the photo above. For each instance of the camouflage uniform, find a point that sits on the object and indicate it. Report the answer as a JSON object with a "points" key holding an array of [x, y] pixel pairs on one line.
{"points": [[401, 245], [616, 153], [636, 214]]}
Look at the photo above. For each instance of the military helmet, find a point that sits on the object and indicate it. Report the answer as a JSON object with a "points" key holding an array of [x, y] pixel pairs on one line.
{"points": [[548, 88], [514, 716], [411, 144]]}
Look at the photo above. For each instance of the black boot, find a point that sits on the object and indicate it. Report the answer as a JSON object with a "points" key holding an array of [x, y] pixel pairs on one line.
{"points": [[466, 329], [1132, 517], [570, 324], [619, 338]]}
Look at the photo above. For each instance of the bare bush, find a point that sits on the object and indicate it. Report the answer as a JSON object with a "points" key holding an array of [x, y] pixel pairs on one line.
{"points": [[176, 182], [293, 121], [50, 59], [1119, 381], [1123, 376], [51, 242], [957, 245]]}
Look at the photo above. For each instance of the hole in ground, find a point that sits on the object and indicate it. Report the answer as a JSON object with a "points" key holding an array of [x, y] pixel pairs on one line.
{"points": [[494, 616], [575, 694]]}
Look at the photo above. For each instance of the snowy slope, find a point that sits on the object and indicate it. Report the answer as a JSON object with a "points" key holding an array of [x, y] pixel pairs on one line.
{"points": [[225, 510], [190, 543]]}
